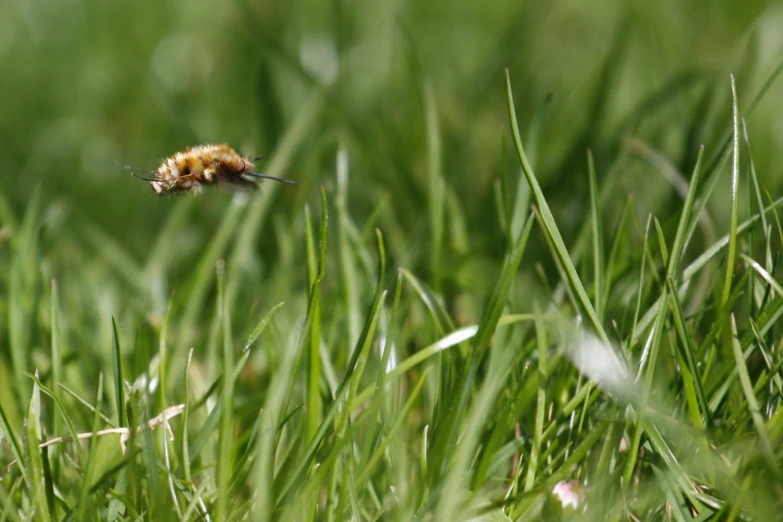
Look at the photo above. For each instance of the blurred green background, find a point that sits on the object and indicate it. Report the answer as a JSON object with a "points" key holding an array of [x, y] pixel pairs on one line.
{"points": [[398, 109], [411, 92]]}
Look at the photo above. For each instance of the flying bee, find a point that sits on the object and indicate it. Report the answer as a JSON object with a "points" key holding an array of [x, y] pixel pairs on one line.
{"points": [[203, 165]]}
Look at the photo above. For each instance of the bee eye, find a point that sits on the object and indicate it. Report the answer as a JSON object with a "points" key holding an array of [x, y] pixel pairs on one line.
{"points": [[186, 170]]}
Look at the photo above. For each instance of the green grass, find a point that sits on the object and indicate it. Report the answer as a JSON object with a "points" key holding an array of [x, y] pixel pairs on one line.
{"points": [[479, 290]]}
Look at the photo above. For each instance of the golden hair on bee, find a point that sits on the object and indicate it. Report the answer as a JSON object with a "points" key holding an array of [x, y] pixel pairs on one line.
{"points": [[204, 165]]}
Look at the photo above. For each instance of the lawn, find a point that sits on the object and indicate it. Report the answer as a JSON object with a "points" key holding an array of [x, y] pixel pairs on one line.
{"points": [[534, 248]]}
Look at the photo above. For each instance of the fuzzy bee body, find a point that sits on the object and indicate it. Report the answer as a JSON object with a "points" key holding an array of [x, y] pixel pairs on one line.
{"points": [[204, 165]]}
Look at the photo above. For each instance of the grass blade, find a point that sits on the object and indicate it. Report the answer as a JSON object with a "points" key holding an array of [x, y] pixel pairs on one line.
{"points": [[314, 364], [57, 368], [13, 442], [550, 227], [225, 438], [91, 463], [378, 299], [535, 451], [598, 237], [750, 397], [734, 199], [34, 465], [436, 187], [119, 383]]}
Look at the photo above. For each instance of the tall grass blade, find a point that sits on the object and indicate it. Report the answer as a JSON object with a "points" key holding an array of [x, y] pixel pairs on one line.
{"points": [[119, 383], [225, 439], [549, 225], [34, 462], [598, 238], [734, 199]]}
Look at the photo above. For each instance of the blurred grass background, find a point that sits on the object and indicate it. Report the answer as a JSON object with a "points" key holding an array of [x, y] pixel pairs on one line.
{"points": [[397, 108], [90, 83]]}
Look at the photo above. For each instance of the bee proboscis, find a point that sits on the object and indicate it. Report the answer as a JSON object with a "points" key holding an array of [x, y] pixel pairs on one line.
{"points": [[203, 165]]}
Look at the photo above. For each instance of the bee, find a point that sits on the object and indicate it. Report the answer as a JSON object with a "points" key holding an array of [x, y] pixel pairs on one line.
{"points": [[203, 165]]}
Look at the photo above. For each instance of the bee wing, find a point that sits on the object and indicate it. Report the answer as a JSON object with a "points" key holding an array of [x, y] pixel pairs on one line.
{"points": [[265, 176], [236, 184], [137, 169]]}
